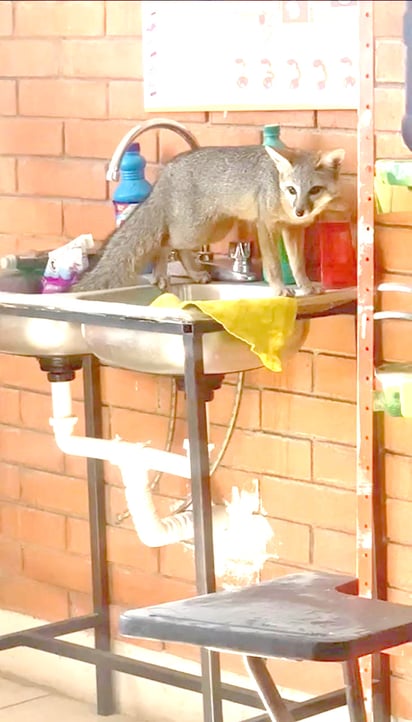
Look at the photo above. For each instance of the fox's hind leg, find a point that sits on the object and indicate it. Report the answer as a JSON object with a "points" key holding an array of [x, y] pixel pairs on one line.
{"points": [[186, 240], [193, 267], [160, 262]]}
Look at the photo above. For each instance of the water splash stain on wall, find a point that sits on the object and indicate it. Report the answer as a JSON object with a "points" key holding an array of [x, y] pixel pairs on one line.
{"points": [[241, 545]]}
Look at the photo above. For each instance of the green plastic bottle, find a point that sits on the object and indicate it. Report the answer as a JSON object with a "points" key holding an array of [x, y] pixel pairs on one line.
{"points": [[22, 273], [271, 136], [31, 262]]}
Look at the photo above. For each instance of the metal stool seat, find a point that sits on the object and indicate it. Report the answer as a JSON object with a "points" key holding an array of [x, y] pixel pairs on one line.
{"points": [[307, 616]]}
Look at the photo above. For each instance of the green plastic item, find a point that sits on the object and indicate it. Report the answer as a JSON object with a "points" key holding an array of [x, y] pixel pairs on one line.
{"points": [[393, 186], [30, 263], [395, 386], [287, 275], [395, 172], [388, 401], [271, 137]]}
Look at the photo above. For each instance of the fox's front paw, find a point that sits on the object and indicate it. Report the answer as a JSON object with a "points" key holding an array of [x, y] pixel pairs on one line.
{"points": [[160, 281], [279, 289], [309, 289]]}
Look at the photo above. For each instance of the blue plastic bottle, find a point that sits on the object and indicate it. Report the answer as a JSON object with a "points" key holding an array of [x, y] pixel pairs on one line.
{"points": [[133, 187], [271, 136]]}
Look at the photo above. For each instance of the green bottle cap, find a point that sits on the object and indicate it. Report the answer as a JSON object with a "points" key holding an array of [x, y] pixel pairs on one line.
{"points": [[271, 134]]}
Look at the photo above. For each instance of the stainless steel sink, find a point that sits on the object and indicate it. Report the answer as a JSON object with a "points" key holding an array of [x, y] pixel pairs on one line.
{"points": [[34, 334], [24, 336], [40, 337], [163, 353]]}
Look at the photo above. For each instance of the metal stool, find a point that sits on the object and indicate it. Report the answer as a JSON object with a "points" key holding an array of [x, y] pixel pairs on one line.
{"points": [[307, 616]]}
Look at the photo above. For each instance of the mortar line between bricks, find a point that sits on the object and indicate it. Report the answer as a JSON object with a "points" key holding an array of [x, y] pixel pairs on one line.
{"points": [[312, 395]]}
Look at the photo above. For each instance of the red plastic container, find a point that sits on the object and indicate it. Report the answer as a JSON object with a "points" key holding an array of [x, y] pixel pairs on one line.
{"points": [[312, 253], [330, 255]]}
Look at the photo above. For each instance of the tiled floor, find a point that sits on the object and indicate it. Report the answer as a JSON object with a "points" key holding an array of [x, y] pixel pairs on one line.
{"points": [[20, 702]]}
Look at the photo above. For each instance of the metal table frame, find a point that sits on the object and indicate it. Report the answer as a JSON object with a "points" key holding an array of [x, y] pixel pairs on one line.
{"points": [[47, 637]]}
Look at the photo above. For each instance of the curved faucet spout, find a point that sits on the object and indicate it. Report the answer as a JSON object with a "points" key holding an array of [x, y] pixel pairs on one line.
{"points": [[130, 137]]}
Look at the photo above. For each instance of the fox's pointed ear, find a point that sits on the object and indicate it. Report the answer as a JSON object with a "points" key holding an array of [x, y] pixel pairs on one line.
{"points": [[281, 162], [332, 159]]}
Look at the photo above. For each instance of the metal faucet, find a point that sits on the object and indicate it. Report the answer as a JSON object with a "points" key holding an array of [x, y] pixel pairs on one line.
{"points": [[237, 265], [113, 173]]}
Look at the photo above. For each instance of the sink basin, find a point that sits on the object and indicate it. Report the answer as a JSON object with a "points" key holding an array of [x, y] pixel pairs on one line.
{"points": [[163, 353], [68, 325], [40, 337], [25, 336]]}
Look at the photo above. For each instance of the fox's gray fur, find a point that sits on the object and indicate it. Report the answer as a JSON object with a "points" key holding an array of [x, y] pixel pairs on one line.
{"points": [[198, 196]]}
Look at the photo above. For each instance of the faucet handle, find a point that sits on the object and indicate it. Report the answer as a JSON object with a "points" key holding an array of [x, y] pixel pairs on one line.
{"points": [[240, 250]]}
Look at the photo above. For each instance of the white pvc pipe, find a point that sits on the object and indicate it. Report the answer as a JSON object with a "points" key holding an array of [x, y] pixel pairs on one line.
{"points": [[84, 445], [61, 399], [134, 460], [166, 461], [114, 450], [151, 529]]}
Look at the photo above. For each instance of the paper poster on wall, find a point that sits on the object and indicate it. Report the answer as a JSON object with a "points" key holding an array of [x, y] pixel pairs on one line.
{"points": [[250, 54]]}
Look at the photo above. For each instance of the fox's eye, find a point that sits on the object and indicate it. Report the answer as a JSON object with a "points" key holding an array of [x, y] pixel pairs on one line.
{"points": [[291, 190], [315, 190]]}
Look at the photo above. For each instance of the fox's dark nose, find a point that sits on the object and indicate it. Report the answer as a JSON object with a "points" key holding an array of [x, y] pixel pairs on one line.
{"points": [[299, 212]]}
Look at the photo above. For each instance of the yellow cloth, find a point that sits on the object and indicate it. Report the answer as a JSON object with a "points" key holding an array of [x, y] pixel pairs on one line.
{"points": [[263, 323]]}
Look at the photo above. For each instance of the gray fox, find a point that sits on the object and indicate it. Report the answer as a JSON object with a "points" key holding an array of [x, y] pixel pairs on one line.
{"points": [[196, 200]]}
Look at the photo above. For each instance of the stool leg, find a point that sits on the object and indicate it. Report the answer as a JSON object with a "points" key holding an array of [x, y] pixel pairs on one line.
{"points": [[267, 690], [354, 691]]}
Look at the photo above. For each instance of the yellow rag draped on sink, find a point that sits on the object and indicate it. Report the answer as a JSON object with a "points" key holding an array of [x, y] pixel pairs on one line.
{"points": [[264, 324]]}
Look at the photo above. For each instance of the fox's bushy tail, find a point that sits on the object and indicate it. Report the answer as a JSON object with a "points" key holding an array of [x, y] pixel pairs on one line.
{"points": [[128, 250]]}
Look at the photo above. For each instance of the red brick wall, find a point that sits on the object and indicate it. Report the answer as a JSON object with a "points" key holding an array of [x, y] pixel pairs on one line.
{"points": [[71, 86]]}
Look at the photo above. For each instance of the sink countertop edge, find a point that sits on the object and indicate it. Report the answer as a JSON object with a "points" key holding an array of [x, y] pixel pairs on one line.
{"points": [[71, 302]]}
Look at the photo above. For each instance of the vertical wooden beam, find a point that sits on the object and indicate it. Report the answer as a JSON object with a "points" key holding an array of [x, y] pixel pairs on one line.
{"points": [[365, 322]]}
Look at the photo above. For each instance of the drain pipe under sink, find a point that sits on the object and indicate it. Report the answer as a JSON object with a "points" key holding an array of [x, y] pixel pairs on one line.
{"points": [[135, 460]]}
